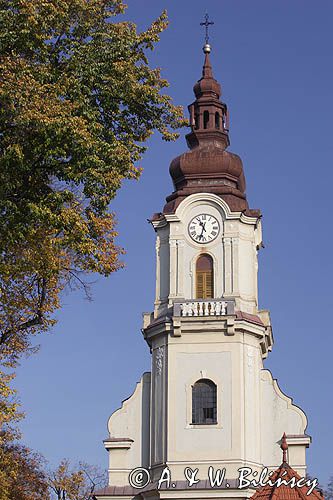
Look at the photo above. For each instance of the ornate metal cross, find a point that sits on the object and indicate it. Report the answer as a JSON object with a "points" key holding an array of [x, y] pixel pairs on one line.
{"points": [[207, 23]]}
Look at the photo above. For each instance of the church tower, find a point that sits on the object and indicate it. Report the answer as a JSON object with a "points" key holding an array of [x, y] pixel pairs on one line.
{"points": [[208, 401]]}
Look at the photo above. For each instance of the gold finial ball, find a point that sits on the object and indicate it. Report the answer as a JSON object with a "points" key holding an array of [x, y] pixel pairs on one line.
{"points": [[206, 48]]}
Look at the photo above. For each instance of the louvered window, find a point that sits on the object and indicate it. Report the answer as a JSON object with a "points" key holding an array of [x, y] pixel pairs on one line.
{"points": [[217, 120], [206, 119], [204, 277], [204, 409]]}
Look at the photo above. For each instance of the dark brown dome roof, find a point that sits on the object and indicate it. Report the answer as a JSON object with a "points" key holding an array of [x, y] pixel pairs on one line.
{"points": [[207, 84], [207, 166]]}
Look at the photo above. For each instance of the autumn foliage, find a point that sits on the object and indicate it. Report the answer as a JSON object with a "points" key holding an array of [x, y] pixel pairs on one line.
{"points": [[78, 100], [22, 475]]}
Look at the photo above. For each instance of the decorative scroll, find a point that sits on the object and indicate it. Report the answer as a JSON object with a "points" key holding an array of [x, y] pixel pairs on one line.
{"points": [[159, 360]]}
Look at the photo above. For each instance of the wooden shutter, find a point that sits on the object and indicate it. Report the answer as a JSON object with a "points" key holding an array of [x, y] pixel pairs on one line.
{"points": [[204, 277], [209, 285], [200, 285]]}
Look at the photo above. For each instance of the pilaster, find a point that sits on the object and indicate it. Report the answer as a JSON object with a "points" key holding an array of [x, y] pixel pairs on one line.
{"points": [[180, 268], [227, 266], [235, 266], [173, 267]]}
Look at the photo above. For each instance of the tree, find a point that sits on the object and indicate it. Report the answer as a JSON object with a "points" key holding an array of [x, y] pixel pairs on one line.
{"points": [[329, 490], [79, 483], [77, 102], [319, 487], [22, 475]]}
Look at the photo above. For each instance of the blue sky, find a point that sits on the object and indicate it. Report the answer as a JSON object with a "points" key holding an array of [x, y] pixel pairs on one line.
{"points": [[274, 60]]}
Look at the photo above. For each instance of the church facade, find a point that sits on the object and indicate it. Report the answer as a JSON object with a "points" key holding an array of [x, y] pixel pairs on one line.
{"points": [[208, 403]]}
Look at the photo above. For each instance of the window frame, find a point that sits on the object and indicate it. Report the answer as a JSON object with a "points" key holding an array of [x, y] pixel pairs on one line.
{"points": [[210, 383]]}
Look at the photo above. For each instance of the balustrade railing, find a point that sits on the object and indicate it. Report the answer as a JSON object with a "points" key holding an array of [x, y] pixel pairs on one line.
{"points": [[202, 308]]}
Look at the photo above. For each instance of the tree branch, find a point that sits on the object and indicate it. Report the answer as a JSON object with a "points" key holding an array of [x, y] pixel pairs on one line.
{"points": [[36, 320]]}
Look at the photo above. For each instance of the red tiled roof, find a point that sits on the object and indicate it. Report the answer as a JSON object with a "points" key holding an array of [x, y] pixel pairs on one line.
{"points": [[156, 216], [285, 492], [252, 318]]}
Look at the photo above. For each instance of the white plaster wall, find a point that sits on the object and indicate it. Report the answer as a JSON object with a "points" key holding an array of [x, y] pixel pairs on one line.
{"points": [[252, 411], [162, 268], [132, 421], [233, 251], [234, 364], [279, 415], [191, 249], [252, 364], [188, 366]]}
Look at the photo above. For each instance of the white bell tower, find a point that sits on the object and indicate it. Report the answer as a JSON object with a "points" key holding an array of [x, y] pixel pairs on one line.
{"points": [[208, 401], [233, 252]]}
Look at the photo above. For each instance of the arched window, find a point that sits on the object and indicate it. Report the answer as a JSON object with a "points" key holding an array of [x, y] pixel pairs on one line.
{"points": [[206, 119], [204, 277], [204, 402], [217, 120]]}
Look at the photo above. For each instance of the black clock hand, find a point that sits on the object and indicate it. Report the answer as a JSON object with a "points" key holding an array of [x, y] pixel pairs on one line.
{"points": [[203, 229]]}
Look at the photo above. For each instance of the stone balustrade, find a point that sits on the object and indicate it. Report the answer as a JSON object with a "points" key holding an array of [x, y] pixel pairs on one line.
{"points": [[204, 308]]}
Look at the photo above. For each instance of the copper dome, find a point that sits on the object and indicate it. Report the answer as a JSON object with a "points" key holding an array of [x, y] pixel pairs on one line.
{"points": [[207, 84], [207, 166]]}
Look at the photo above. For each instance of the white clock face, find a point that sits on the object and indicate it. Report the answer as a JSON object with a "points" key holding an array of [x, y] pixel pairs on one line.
{"points": [[204, 228]]}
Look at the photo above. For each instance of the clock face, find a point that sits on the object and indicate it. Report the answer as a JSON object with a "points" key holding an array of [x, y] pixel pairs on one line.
{"points": [[204, 228]]}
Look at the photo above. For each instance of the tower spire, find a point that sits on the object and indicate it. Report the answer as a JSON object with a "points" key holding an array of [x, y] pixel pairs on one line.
{"points": [[208, 114], [207, 70], [284, 448], [208, 167]]}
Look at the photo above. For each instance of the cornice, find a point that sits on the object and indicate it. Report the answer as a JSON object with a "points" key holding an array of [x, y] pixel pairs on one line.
{"points": [[215, 200]]}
